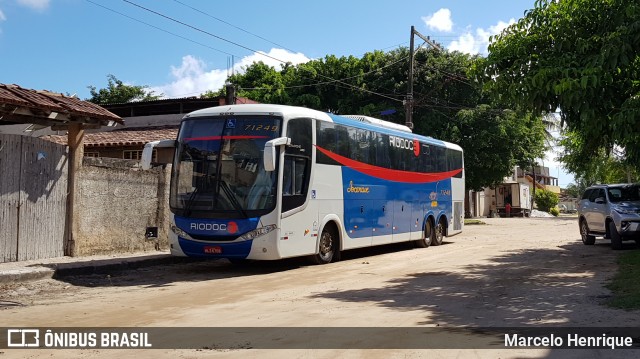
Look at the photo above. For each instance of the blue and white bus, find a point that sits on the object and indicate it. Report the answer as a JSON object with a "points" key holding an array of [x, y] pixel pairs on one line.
{"points": [[266, 182]]}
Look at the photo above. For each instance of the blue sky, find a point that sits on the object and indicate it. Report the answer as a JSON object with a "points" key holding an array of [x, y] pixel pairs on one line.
{"points": [[67, 45]]}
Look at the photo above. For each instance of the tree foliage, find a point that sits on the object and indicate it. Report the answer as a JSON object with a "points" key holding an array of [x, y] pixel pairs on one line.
{"points": [[449, 105], [117, 92], [579, 56], [545, 199], [601, 167]]}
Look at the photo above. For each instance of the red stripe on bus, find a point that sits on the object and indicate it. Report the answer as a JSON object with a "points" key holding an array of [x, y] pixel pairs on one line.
{"points": [[217, 138], [389, 174]]}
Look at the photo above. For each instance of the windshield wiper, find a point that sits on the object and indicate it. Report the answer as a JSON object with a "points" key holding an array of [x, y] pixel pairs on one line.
{"points": [[232, 198], [190, 201]]}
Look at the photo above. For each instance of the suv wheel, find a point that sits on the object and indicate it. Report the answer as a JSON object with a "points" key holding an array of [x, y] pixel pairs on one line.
{"points": [[584, 233], [616, 239]]}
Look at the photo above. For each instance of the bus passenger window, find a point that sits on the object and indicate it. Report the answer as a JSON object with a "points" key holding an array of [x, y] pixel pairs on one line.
{"points": [[287, 178], [300, 168], [294, 176], [295, 181]]}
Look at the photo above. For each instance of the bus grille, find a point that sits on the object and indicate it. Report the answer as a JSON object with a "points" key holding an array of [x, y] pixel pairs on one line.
{"points": [[213, 238]]}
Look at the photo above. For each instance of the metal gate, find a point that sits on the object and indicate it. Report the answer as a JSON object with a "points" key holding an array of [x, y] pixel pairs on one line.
{"points": [[33, 198]]}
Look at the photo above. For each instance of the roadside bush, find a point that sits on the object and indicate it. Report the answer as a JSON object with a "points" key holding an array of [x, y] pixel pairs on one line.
{"points": [[545, 200], [555, 211]]}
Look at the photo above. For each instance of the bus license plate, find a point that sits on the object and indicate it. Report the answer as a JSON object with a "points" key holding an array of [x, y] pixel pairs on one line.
{"points": [[213, 250]]}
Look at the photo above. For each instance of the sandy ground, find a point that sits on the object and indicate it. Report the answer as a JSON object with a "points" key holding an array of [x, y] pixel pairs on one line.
{"points": [[517, 272]]}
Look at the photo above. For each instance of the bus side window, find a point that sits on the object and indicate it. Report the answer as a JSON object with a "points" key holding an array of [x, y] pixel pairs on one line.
{"points": [[294, 177]]}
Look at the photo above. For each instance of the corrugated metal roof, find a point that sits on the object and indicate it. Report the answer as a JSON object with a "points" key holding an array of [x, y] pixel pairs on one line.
{"points": [[46, 101], [120, 138]]}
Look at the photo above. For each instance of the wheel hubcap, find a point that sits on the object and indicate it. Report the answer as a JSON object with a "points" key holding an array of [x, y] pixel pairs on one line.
{"points": [[326, 245], [439, 232]]}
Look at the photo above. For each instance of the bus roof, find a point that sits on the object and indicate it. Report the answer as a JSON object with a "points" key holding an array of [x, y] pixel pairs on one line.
{"points": [[363, 122], [248, 109]]}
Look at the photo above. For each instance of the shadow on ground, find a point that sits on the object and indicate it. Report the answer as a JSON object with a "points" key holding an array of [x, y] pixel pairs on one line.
{"points": [[170, 270]]}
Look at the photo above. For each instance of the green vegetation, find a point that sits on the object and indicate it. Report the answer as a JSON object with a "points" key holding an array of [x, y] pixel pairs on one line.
{"points": [[449, 104], [625, 285], [581, 57], [118, 92], [473, 221], [546, 200], [554, 211]]}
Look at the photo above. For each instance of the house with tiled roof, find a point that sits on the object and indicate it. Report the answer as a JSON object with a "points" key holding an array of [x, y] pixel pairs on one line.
{"points": [[146, 121], [124, 143]]}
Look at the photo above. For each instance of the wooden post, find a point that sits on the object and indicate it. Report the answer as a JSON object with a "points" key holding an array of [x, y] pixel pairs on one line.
{"points": [[75, 141]]}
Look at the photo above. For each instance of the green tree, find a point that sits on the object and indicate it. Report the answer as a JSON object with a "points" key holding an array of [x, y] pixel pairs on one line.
{"points": [[494, 142], [118, 92], [574, 190], [545, 200], [449, 104], [579, 56], [601, 167]]}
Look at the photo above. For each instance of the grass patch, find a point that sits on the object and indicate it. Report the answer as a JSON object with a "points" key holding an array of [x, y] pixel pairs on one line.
{"points": [[473, 221], [625, 285]]}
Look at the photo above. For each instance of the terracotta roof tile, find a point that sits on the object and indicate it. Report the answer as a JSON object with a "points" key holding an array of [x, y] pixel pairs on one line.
{"points": [[120, 138], [46, 100]]}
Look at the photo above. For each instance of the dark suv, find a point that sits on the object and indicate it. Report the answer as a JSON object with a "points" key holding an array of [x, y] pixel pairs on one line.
{"points": [[611, 211]]}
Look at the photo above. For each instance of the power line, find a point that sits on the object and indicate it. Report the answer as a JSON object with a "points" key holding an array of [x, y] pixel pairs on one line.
{"points": [[236, 44], [202, 31], [158, 28], [248, 48], [232, 25]]}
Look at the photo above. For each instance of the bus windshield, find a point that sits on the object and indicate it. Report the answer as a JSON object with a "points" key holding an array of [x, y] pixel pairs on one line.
{"points": [[218, 168]]}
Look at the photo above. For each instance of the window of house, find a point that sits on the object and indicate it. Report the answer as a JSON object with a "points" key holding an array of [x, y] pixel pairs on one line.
{"points": [[92, 154], [137, 155]]}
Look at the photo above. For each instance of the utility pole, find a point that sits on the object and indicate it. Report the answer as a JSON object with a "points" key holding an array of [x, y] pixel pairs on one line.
{"points": [[408, 104], [231, 94]]}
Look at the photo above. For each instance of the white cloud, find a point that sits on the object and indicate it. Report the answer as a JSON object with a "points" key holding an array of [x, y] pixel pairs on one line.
{"points": [[477, 43], [192, 77], [440, 20], [274, 54], [2, 17], [35, 4]]}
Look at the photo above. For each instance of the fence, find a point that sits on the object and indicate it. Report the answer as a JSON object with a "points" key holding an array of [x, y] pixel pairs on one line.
{"points": [[33, 195]]}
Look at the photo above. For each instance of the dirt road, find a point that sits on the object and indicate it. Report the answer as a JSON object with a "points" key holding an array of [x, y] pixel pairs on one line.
{"points": [[508, 273]]}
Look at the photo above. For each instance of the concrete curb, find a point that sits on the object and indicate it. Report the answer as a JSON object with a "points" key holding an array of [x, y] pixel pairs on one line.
{"points": [[84, 266]]}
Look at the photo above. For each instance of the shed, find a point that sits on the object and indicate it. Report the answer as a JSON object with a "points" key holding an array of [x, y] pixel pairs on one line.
{"points": [[62, 113]]}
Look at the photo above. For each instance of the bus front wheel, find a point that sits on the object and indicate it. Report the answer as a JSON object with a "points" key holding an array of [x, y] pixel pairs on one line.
{"points": [[327, 247]]}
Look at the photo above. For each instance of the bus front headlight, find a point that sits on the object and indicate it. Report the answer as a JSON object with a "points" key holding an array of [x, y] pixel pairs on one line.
{"points": [[257, 232], [179, 232]]}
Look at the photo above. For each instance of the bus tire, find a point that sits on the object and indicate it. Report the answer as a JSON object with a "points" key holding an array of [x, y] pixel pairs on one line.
{"points": [[438, 233], [328, 246], [427, 237]]}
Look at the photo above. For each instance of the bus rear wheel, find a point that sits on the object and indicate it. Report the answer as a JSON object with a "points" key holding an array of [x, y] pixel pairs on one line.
{"points": [[327, 247], [438, 234]]}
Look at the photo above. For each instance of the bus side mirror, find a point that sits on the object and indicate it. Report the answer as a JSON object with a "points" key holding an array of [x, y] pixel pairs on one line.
{"points": [[271, 150], [147, 151]]}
